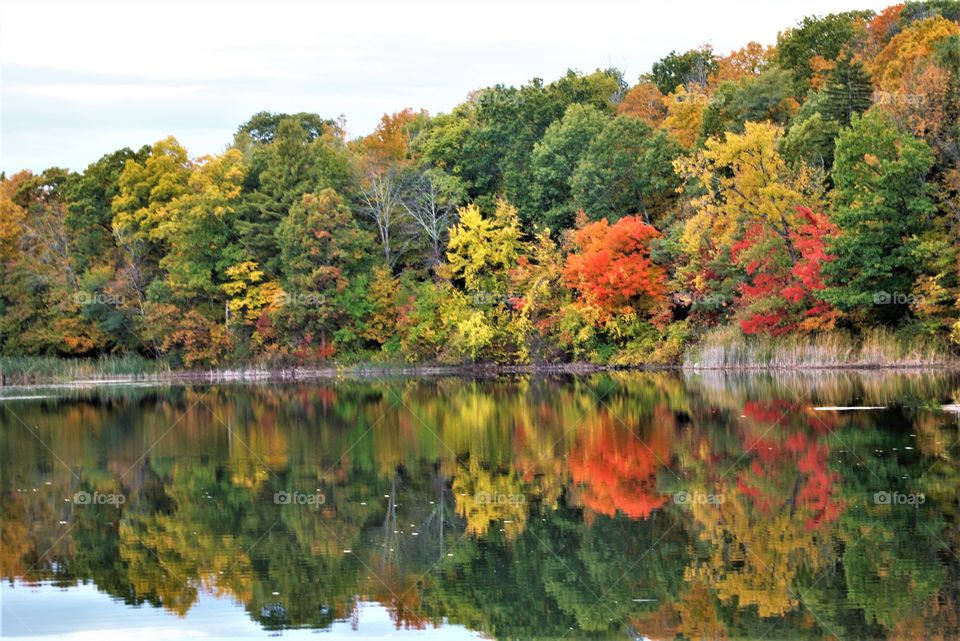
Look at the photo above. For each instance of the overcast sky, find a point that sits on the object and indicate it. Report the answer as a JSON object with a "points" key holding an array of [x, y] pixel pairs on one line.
{"points": [[80, 79]]}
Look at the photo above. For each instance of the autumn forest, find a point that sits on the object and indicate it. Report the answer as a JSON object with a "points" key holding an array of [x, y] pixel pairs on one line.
{"points": [[802, 192]]}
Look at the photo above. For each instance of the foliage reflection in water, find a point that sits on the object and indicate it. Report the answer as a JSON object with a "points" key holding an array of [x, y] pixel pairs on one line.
{"points": [[608, 506]]}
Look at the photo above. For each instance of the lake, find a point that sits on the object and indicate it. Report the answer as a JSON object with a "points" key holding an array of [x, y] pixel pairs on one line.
{"points": [[812, 505]]}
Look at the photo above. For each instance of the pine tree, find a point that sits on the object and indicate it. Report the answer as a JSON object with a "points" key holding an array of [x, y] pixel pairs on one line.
{"points": [[848, 92]]}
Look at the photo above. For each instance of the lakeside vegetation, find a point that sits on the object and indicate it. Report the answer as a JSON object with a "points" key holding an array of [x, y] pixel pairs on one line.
{"points": [[795, 204], [724, 348], [729, 348], [27, 370]]}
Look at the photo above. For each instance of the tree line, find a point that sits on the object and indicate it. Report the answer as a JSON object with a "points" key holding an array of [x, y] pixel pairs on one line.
{"points": [[798, 188]]}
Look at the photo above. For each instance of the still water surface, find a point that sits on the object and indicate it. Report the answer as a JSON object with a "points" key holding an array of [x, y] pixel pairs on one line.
{"points": [[620, 506]]}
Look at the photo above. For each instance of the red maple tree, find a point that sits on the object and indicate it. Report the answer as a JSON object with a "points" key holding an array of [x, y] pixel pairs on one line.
{"points": [[780, 293]]}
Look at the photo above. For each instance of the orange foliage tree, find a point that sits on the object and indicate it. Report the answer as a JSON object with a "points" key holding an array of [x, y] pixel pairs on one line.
{"points": [[390, 141], [880, 29], [908, 48], [645, 102], [612, 270], [746, 61]]}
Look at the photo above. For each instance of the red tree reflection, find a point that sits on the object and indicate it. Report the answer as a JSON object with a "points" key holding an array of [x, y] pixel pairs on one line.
{"points": [[789, 468]]}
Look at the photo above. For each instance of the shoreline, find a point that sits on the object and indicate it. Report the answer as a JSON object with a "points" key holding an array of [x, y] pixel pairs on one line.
{"points": [[361, 372]]}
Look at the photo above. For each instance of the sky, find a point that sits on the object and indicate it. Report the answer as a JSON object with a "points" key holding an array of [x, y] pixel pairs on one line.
{"points": [[79, 79], [85, 613]]}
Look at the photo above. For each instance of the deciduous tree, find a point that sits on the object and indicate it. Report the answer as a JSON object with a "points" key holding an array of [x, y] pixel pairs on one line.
{"points": [[882, 206], [612, 270]]}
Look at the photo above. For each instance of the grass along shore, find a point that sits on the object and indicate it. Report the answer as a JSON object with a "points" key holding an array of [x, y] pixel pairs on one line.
{"points": [[728, 348], [725, 348], [29, 370], [43, 370]]}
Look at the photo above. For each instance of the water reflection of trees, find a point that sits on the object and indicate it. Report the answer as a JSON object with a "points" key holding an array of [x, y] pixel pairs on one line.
{"points": [[521, 507]]}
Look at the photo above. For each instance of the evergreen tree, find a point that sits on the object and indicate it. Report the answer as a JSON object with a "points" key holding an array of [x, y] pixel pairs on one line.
{"points": [[848, 92]]}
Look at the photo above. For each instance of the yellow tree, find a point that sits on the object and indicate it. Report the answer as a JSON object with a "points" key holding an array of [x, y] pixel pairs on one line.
{"points": [[485, 496], [685, 114], [197, 227], [480, 247], [754, 559], [147, 189], [145, 193], [383, 293], [908, 48], [480, 254], [39, 305], [249, 293], [12, 216], [746, 182]]}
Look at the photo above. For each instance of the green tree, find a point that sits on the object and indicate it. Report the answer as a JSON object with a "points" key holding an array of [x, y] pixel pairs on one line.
{"points": [[488, 141], [811, 137], [882, 206], [294, 162], [89, 213], [687, 69], [765, 97], [555, 159], [93, 249], [262, 127], [322, 248], [824, 37], [627, 169]]}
